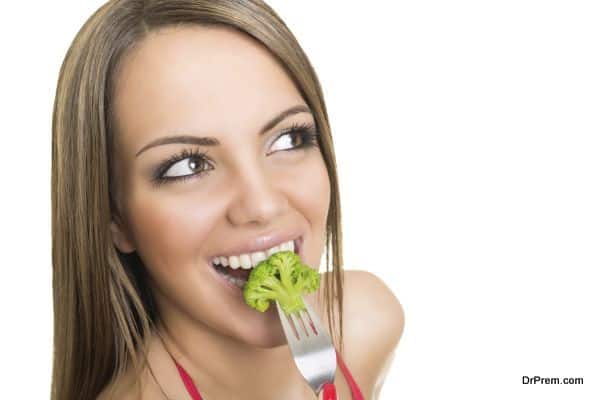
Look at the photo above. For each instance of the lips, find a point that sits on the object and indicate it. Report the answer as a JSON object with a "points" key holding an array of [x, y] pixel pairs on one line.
{"points": [[239, 276], [259, 243]]}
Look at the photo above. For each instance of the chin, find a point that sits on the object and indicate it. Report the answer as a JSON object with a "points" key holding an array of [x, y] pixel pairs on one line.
{"points": [[266, 342], [263, 334]]}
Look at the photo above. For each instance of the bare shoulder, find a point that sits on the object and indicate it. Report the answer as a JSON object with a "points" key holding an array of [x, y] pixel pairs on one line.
{"points": [[373, 326], [375, 305]]}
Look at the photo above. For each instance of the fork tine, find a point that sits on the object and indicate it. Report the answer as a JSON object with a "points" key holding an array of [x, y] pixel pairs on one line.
{"points": [[313, 353], [288, 328], [308, 323], [299, 320], [316, 324], [307, 319], [293, 318]]}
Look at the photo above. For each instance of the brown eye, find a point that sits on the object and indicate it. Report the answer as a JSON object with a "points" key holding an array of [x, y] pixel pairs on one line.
{"points": [[187, 166], [286, 141], [193, 164], [181, 166], [296, 138]]}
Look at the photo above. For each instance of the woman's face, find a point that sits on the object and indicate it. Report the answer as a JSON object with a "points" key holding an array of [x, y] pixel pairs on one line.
{"points": [[243, 188]]}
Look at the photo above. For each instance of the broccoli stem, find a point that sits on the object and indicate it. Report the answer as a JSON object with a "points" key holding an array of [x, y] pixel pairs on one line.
{"points": [[284, 292], [282, 278]]}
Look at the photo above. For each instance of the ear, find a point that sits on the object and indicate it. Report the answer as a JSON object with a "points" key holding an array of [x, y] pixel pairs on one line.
{"points": [[121, 237]]}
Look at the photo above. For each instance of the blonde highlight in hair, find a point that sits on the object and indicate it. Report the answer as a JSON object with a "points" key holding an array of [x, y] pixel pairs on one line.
{"points": [[103, 310]]}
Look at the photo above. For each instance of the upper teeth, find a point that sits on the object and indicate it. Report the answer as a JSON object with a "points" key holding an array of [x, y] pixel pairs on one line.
{"points": [[250, 260]]}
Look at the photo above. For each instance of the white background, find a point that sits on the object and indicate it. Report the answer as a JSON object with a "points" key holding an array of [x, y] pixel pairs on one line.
{"points": [[467, 136]]}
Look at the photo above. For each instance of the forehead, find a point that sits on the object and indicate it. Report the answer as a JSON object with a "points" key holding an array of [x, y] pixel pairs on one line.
{"points": [[198, 79]]}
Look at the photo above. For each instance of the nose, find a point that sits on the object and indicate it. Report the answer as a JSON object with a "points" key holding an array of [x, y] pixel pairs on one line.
{"points": [[258, 199]]}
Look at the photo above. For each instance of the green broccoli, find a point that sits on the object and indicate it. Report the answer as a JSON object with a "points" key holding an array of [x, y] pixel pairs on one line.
{"points": [[282, 277]]}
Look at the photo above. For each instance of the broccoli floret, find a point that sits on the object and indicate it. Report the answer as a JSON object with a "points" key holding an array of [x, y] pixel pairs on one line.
{"points": [[282, 277]]}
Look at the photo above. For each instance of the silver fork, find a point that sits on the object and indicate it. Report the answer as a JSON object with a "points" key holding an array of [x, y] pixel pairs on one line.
{"points": [[312, 349]]}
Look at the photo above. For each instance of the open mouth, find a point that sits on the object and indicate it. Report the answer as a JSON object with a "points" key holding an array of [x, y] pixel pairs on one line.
{"points": [[236, 269]]}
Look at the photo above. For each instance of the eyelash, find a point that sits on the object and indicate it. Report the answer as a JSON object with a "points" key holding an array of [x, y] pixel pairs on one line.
{"points": [[306, 131]]}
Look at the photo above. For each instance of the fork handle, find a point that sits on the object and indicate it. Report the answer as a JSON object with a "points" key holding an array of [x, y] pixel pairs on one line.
{"points": [[329, 392]]}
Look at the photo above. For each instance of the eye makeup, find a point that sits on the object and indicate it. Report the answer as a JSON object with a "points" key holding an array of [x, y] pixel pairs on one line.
{"points": [[305, 132], [195, 155]]}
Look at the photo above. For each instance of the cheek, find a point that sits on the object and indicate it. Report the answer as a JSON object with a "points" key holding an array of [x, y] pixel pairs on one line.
{"points": [[312, 199], [309, 190], [170, 230], [315, 190]]}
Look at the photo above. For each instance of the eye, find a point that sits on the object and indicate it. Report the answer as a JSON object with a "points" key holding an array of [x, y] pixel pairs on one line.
{"points": [[187, 166], [184, 165], [191, 164], [295, 138]]}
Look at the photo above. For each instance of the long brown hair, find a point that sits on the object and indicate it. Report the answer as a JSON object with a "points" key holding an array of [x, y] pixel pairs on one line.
{"points": [[102, 310]]}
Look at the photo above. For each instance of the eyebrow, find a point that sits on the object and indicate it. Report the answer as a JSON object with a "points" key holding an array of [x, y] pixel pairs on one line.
{"points": [[211, 141]]}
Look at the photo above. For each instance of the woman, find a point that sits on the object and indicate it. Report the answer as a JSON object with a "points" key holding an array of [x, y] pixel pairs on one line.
{"points": [[189, 136]]}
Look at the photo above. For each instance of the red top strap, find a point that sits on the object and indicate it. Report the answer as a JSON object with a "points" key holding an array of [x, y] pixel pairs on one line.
{"points": [[188, 382], [354, 389], [195, 394]]}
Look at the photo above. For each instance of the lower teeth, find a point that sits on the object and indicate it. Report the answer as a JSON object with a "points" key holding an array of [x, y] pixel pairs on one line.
{"points": [[236, 281]]}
